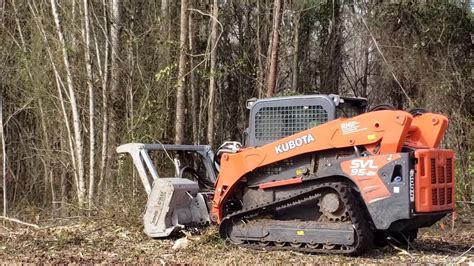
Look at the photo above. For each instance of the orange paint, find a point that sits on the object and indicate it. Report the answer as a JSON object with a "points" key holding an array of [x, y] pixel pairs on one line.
{"points": [[427, 130], [387, 129], [364, 172], [434, 181], [280, 183]]}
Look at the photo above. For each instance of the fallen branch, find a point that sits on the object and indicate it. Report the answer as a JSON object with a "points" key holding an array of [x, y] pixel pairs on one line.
{"points": [[464, 253], [465, 202], [35, 226], [401, 251]]}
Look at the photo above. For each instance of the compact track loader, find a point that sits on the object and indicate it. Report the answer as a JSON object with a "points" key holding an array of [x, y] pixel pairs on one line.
{"points": [[315, 173]]}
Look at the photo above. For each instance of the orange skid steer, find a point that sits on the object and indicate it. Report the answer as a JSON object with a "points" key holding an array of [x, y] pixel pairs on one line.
{"points": [[316, 173]]}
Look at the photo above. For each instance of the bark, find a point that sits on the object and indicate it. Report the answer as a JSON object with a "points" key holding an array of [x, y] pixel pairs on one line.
{"points": [[273, 68], [79, 148], [366, 73], [164, 9], [261, 71], [64, 189], [116, 20], [115, 43], [2, 13], [73, 19], [18, 25], [90, 88], [212, 79], [192, 87], [165, 28], [19, 222], [366, 43], [181, 86], [115, 92], [105, 103], [129, 84], [48, 173], [4, 159], [296, 44], [332, 54], [201, 115]]}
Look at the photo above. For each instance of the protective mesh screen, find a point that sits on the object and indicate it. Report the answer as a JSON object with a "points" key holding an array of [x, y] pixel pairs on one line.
{"points": [[347, 110], [273, 123]]}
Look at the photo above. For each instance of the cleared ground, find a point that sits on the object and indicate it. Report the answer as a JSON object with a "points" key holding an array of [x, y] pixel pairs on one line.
{"points": [[106, 241]]}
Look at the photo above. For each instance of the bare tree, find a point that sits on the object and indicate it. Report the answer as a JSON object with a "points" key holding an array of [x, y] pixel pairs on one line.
{"points": [[273, 69], [332, 52], [48, 173], [212, 79], [59, 85], [79, 147], [115, 46], [115, 93], [192, 87], [87, 51], [181, 86], [2, 13], [296, 44], [166, 28], [4, 159], [260, 73], [105, 117], [164, 8]]}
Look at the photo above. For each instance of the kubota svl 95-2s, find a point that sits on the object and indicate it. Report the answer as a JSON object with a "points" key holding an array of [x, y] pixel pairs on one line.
{"points": [[316, 173]]}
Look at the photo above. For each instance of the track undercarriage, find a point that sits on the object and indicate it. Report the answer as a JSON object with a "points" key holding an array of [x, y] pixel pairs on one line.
{"points": [[326, 217]]}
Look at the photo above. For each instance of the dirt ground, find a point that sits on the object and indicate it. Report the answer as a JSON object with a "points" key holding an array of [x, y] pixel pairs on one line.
{"points": [[106, 241]]}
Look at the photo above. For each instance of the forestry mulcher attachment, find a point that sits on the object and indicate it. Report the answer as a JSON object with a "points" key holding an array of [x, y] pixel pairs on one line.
{"points": [[315, 173]]}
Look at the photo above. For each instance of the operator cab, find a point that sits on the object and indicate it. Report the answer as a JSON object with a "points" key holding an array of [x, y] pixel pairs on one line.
{"points": [[275, 118]]}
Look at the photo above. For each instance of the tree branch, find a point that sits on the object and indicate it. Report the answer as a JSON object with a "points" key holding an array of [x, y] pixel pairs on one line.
{"points": [[35, 226]]}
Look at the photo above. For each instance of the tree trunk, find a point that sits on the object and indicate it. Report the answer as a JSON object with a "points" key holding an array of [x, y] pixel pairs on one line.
{"points": [[73, 19], [165, 28], [296, 44], [366, 66], [332, 53], [273, 68], [128, 84], [192, 87], [48, 173], [261, 71], [91, 103], [212, 79], [2, 13], [201, 117], [115, 92], [63, 190], [115, 46], [4, 159], [164, 9], [105, 109], [79, 148], [181, 86]]}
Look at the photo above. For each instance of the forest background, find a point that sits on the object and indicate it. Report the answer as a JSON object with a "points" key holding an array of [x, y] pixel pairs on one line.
{"points": [[79, 78]]}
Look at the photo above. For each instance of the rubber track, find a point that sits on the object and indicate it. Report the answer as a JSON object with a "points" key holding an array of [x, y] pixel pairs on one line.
{"points": [[354, 206]]}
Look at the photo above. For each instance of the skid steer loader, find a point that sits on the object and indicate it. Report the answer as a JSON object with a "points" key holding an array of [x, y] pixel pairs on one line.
{"points": [[315, 173]]}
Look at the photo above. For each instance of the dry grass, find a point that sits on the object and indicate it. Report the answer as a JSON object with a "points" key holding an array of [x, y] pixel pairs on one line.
{"points": [[110, 241]]}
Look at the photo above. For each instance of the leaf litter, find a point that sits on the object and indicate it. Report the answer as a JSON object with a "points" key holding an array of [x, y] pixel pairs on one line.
{"points": [[107, 241]]}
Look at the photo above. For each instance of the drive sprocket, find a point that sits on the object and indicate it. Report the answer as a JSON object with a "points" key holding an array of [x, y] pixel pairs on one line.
{"points": [[332, 208]]}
